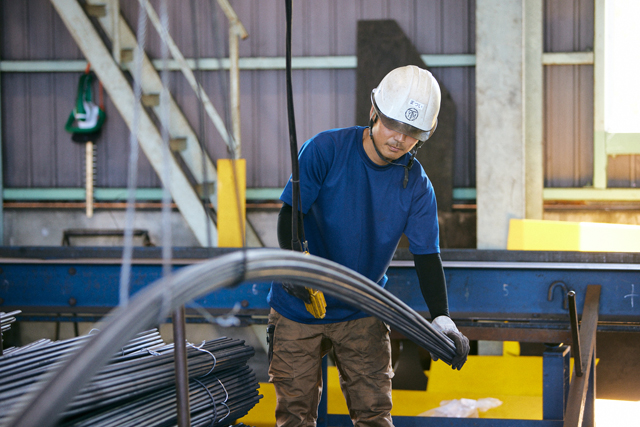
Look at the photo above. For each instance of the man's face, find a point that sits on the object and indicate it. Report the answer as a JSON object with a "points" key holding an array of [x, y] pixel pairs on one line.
{"points": [[391, 144]]}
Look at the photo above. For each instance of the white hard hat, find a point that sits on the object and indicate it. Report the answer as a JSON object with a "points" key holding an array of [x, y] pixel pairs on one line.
{"points": [[407, 100]]}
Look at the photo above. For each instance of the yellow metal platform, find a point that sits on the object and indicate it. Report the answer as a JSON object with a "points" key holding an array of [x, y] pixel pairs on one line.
{"points": [[516, 381]]}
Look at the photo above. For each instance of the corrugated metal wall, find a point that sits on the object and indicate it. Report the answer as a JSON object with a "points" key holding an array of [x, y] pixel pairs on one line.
{"points": [[568, 134], [568, 102], [39, 153]]}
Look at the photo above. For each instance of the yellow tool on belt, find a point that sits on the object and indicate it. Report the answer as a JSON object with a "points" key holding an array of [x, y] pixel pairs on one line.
{"points": [[318, 306]]}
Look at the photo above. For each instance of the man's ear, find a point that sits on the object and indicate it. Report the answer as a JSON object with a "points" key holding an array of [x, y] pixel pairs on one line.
{"points": [[373, 117]]}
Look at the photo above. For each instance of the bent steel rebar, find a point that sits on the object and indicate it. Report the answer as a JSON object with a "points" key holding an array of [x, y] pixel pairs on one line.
{"points": [[42, 406]]}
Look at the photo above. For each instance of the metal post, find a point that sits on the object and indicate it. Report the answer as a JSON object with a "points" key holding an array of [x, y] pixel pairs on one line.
{"points": [[323, 407], [555, 382], [575, 332], [182, 374], [582, 392], [589, 417]]}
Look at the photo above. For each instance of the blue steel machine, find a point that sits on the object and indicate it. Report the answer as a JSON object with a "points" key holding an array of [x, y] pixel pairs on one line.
{"points": [[493, 295]]}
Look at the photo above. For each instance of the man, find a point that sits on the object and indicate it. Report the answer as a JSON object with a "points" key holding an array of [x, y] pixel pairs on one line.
{"points": [[361, 189]]}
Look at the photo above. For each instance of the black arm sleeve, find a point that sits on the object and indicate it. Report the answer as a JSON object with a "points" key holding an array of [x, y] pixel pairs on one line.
{"points": [[432, 283], [284, 226]]}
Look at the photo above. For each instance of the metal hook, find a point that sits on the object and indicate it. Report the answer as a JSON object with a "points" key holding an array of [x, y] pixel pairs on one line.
{"points": [[565, 288]]}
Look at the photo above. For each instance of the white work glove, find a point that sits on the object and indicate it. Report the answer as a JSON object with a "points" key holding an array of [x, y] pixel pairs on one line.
{"points": [[445, 325]]}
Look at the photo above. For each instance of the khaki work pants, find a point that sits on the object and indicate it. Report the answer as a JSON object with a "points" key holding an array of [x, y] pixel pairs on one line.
{"points": [[362, 353]]}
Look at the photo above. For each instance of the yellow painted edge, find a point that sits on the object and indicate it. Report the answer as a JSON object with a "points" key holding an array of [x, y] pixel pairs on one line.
{"points": [[536, 235]]}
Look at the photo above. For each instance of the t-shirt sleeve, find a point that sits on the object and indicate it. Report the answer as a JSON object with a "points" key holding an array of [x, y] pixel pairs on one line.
{"points": [[314, 163], [422, 225]]}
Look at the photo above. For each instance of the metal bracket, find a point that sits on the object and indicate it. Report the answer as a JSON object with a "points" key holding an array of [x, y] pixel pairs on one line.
{"points": [[565, 288]]}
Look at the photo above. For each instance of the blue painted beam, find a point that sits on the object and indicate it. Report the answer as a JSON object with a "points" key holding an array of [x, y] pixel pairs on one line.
{"points": [[512, 293], [488, 293]]}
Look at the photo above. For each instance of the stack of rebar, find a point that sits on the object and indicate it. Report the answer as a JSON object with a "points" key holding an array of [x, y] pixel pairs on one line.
{"points": [[6, 319], [214, 400], [137, 387], [20, 367]]}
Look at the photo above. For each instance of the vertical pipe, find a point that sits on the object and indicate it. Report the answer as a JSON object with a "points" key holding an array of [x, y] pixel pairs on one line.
{"points": [[234, 80], [575, 333], [182, 375]]}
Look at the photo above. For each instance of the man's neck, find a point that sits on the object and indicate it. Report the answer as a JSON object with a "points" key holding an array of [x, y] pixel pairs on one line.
{"points": [[367, 143]]}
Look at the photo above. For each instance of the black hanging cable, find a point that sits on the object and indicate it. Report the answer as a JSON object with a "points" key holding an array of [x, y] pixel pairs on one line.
{"points": [[296, 244]]}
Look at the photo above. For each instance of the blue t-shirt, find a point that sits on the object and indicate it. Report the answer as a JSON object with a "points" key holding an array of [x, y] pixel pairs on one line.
{"points": [[355, 213]]}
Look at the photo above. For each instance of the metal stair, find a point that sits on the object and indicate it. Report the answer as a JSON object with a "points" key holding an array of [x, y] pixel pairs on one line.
{"points": [[108, 66]]}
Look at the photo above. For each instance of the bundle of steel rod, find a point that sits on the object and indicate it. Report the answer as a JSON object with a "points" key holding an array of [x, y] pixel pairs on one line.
{"points": [[140, 378], [128, 379], [315, 272], [22, 366], [154, 303], [6, 319], [338, 281], [327, 276], [218, 400]]}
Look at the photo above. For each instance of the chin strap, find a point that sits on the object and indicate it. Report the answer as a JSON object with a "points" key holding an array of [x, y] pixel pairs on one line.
{"points": [[406, 167]]}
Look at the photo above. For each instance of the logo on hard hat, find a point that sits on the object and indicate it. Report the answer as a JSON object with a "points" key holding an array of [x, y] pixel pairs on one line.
{"points": [[411, 114]]}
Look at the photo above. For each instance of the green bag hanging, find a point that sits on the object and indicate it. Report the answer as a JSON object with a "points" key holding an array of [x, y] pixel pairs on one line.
{"points": [[86, 117]]}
